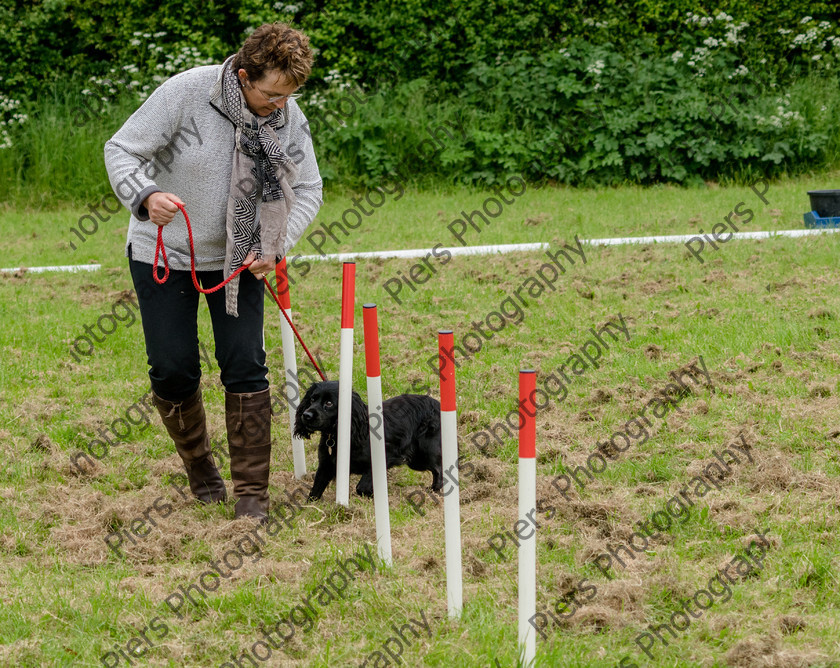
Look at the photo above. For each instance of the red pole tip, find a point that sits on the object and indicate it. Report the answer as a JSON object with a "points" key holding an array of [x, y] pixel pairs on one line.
{"points": [[446, 359], [282, 277], [527, 414], [371, 330], [348, 294]]}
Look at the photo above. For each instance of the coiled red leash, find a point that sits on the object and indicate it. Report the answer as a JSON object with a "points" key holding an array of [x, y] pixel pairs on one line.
{"points": [[160, 251]]}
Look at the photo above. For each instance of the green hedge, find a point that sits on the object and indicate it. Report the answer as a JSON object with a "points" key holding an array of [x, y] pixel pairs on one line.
{"points": [[595, 92], [49, 40], [558, 116]]}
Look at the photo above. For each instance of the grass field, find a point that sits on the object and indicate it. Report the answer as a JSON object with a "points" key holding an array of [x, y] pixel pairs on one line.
{"points": [[762, 316]]}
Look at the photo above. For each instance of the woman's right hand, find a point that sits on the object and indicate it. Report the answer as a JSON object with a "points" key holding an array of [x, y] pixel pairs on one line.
{"points": [[162, 207]]}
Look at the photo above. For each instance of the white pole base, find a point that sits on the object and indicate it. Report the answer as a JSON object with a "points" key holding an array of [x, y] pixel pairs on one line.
{"points": [[345, 407], [292, 391], [527, 559], [379, 469], [452, 513]]}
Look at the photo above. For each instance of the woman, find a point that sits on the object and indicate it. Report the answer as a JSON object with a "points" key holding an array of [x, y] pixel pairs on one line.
{"points": [[230, 143]]}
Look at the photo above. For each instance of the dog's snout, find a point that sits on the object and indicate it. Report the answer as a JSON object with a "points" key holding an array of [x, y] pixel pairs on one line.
{"points": [[308, 414]]}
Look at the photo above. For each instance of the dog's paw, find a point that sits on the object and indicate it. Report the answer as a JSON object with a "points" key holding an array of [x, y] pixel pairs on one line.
{"points": [[365, 491]]}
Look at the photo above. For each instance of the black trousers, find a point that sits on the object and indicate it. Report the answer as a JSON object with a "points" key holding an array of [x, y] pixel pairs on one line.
{"points": [[169, 315]]}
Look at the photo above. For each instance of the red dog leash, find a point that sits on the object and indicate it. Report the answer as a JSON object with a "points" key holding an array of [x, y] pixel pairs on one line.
{"points": [[160, 250]]}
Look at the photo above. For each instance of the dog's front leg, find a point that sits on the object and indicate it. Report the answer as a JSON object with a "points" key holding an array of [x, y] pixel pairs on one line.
{"points": [[437, 480], [323, 476], [365, 486]]}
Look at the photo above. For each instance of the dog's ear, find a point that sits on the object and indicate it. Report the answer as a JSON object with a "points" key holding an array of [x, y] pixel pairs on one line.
{"points": [[300, 430], [359, 418]]}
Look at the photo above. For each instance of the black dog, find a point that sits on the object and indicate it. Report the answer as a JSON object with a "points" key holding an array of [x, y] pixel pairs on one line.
{"points": [[412, 435]]}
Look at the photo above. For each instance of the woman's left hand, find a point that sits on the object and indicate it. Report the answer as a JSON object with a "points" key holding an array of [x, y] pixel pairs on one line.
{"points": [[260, 268]]}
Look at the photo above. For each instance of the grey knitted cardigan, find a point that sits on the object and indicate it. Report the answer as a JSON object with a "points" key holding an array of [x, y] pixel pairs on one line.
{"points": [[178, 142]]}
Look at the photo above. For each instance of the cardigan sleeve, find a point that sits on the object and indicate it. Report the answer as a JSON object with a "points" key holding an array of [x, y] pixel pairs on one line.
{"points": [[308, 185], [131, 153]]}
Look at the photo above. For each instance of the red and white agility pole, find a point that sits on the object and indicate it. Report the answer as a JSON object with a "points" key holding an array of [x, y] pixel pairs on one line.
{"points": [[527, 510], [449, 446], [377, 433], [291, 388], [345, 385]]}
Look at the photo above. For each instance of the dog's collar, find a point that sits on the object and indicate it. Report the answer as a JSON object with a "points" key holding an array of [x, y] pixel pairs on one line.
{"points": [[330, 446]]}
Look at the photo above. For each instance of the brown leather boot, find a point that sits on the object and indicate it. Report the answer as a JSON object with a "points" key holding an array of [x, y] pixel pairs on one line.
{"points": [[248, 419], [187, 426]]}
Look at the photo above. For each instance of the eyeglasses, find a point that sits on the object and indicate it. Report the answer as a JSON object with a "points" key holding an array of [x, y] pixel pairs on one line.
{"points": [[293, 96]]}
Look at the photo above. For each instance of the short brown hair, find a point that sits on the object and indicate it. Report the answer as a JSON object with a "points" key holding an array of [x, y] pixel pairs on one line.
{"points": [[275, 46]]}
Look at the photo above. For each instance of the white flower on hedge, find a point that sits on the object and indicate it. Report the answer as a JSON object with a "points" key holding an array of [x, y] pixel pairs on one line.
{"points": [[563, 52], [706, 20], [816, 56], [135, 42], [159, 34], [676, 56], [732, 33], [785, 31], [596, 68], [711, 42], [723, 16], [7, 103], [806, 19]]}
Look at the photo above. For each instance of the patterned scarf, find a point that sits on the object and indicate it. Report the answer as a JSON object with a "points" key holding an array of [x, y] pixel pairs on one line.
{"points": [[260, 165]]}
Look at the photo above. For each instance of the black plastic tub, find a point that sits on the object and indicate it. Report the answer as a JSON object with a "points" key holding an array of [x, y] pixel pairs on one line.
{"points": [[825, 202]]}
